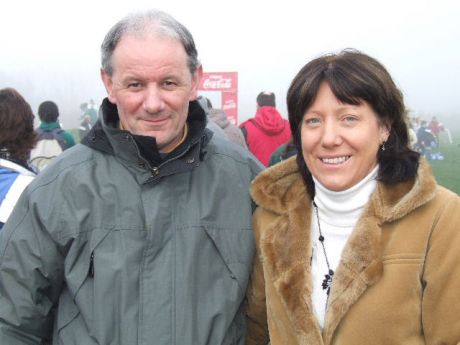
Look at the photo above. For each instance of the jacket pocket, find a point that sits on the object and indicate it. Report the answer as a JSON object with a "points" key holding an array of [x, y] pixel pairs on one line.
{"points": [[236, 248], [79, 268], [71, 329]]}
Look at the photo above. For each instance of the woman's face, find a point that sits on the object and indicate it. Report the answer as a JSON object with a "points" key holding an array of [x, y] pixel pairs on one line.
{"points": [[340, 141]]}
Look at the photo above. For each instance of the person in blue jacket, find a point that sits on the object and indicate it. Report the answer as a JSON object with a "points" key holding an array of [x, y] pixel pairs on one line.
{"points": [[17, 138]]}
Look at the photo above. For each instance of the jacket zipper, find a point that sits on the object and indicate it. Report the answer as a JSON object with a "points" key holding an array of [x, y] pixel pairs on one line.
{"points": [[155, 170], [91, 265]]}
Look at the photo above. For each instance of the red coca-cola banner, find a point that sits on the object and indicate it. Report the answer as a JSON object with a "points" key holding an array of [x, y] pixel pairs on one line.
{"points": [[227, 84]]}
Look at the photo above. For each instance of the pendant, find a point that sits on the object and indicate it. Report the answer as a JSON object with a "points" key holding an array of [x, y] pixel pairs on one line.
{"points": [[327, 281]]}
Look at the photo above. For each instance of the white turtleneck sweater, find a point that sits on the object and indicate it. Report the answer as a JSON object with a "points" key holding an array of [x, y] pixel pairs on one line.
{"points": [[338, 215]]}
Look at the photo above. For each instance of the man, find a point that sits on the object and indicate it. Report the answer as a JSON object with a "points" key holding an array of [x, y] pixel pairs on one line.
{"points": [[91, 111], [267, 130], [426, 141], [142, 235], [52, 139], [85, 126]]}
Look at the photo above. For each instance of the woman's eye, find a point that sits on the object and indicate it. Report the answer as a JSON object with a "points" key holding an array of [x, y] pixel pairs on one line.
{"points": [[312, 121]]}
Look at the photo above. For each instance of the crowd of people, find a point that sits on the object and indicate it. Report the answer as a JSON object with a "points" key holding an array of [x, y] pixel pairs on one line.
{"points": [[169, 225], [425, 137]]}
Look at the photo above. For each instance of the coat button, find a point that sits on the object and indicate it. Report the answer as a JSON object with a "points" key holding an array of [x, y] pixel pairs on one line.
{"points": [[155, 171], [190, 160]]}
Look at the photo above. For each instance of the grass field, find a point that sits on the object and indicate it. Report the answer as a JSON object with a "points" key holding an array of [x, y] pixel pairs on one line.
{"points": [[447, 171]]}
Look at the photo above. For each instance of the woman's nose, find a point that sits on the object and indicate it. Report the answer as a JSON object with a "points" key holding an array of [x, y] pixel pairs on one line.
{"points": [[331, 134]]}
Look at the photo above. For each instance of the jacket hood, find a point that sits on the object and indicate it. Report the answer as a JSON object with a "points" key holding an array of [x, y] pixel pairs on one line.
{"points": [[219, 117], [269, 120], [105, 136], [280, 188]]}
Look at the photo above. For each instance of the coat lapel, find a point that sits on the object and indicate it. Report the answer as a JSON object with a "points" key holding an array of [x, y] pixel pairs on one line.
{"points": [[360, 267], [285, 245], [286, 249]]}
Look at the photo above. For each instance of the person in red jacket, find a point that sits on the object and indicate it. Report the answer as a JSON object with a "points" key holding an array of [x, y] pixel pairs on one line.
{"points": [[267, 130]]}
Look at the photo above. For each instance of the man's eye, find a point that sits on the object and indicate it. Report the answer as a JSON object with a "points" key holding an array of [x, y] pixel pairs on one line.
{"points": [[169, 83], [134, 85], [350, 118]]}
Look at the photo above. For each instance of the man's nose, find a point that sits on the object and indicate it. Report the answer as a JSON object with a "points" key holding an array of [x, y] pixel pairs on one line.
{"points": [[153, 101]]}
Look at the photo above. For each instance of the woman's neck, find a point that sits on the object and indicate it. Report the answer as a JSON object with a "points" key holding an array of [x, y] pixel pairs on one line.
{"points": [[344, 208]]}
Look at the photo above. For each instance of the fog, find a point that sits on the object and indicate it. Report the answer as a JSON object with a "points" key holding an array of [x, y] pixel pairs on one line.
{"points": [[50, 49]]}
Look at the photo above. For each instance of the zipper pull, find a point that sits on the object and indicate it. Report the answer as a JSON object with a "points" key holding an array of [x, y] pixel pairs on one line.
{"points": [[91, 265]]}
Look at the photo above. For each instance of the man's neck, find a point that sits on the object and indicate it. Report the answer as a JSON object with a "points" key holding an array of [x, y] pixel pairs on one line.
{"points": [[178, 143], [174, 145]]}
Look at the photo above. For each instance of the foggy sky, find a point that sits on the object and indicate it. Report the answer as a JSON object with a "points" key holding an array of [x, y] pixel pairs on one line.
{"points": [[50, 49]]}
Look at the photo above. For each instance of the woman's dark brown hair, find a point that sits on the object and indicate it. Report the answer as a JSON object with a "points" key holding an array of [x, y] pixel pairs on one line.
{"points": [[355, 77], [17, 136]]}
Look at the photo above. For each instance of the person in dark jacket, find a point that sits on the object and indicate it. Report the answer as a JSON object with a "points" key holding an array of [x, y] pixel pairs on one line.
{"points": [[283, 152], [232, 132], [142, 233], [267, 130]]}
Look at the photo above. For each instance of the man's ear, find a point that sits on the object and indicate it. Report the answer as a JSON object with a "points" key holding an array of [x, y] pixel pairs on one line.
{"points": [[196, 79], [108, 84]]}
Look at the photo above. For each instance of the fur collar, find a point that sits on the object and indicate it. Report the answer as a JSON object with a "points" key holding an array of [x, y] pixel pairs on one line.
{"points": [[280, 187], [285, 246]]}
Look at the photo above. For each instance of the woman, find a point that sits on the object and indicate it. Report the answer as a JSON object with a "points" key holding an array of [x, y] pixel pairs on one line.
{"points": [[17, 138], [356, 243]]}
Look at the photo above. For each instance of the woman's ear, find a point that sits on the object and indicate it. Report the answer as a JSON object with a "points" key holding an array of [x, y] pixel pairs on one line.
{"points": [[385, 129]]}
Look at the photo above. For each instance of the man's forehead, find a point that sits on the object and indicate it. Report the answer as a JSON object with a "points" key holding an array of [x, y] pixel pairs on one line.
{"points": [[140, 56], [149, 43]]}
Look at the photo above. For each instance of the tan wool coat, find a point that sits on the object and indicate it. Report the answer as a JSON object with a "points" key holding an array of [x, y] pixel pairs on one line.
{"points": [[398, 280]]}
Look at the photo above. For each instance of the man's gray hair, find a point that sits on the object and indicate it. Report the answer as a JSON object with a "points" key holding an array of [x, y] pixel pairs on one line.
{"points": [[144, 22]]}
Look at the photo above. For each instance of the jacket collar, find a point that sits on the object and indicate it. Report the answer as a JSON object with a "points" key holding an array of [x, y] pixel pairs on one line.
{"points": [[15, 167], [49, 126], [139, 152], [285, 243]]}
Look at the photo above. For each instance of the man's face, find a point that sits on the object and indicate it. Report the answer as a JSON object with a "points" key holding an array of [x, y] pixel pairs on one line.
{"points": [[152, 85]]}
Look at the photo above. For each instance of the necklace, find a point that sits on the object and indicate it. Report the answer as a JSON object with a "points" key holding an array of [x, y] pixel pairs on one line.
{"points": [[327, 281]]}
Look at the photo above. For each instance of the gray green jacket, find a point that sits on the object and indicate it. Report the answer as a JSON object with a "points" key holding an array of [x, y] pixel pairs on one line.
{"points": [[105, 247]]}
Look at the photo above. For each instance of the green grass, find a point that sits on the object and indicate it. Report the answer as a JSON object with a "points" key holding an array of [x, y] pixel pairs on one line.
{"points": [[447, 171]]}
